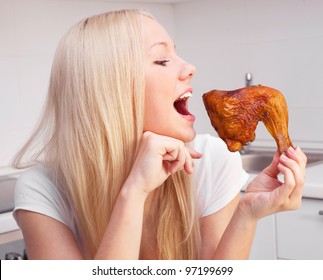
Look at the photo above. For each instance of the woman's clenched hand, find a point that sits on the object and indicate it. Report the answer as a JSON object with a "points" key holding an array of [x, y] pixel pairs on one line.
{"points": [[157, 158]]}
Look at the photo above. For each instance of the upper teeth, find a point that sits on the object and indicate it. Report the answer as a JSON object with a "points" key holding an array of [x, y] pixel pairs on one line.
{"points": [[186, 95]]}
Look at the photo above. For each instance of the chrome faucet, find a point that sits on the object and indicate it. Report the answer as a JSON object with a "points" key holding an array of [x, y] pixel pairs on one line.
{"points": [[248, 79], [245, 149]]}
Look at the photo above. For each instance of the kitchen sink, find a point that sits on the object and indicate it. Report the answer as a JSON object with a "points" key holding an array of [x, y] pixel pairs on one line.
{"points": [[256, 161]]}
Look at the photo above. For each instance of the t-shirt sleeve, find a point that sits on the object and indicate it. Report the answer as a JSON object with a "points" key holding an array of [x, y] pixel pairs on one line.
{"points": [[35, 192], [218, 176]]}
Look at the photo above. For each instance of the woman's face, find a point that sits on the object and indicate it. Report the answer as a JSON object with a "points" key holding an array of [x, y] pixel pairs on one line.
{"points": [[168, 87]]}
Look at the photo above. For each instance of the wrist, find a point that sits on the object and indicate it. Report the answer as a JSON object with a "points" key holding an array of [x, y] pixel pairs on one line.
{"points": [[244, 213], [130, 190]]}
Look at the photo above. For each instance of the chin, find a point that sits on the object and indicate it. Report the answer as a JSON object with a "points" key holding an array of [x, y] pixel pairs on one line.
{"points": [[187, 136]]}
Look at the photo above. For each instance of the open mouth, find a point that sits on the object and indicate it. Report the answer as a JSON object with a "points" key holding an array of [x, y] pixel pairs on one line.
{"points": [[181, 104]]}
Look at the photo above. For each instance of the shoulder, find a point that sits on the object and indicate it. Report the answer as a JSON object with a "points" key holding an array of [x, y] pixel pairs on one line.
{"points": [[37, 191], [36, 181], [36, 174]]}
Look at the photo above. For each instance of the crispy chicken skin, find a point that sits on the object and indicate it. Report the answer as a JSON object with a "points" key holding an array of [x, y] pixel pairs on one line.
{"points": [[235, 115]]}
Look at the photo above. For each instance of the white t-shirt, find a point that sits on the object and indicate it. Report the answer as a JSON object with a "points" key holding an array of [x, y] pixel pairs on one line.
{"points": [[218, 177]]}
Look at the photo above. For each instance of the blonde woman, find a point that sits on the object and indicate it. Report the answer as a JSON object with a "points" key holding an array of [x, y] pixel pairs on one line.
{"points": [[111, 173]]}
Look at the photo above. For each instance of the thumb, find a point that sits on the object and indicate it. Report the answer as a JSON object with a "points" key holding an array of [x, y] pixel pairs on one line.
{"points": [[272, 169]]}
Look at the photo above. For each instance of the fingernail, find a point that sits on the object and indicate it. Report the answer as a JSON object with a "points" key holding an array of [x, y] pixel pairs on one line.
{"points": [[291, 150], [283, 157], [198, 155]]}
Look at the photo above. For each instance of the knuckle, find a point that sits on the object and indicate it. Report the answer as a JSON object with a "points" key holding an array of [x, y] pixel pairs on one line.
{"points": [[180, 144], [302, 181], [147, 136], [295, 205], [291, 204], [298, 204]]}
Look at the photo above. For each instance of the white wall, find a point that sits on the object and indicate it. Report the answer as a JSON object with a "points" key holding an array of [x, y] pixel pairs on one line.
{"points": [[29, 33], [280, 42]]}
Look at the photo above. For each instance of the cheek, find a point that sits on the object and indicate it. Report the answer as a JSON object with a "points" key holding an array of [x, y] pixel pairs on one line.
{"points": [[155, 108], [159, 97], [158, 108]]}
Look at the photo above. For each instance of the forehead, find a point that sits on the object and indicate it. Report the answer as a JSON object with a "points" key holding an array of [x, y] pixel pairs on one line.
{"points": [[154, 34]]}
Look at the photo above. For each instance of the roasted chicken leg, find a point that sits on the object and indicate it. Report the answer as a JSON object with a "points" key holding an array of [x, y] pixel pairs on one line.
{"points": [[235, 115]]}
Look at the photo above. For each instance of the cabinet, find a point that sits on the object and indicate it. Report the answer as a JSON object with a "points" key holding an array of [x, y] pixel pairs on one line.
{"points": [[294, 235], [264, 243], [300, 233]]}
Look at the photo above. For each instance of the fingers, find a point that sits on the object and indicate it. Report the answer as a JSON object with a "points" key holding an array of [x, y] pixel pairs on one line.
{"points": [[157, 157], [292, 166], [289, 181], [296, 160], [194, 154], [272, 169], [179, 156], [174, 153], [298, 156]]}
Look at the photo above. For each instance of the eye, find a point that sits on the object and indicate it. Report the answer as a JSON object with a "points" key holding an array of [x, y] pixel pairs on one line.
{"points": [[162, 62]]}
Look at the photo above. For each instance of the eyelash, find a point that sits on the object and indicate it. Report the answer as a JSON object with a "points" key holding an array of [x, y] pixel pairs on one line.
{"points": [[162, 62]]}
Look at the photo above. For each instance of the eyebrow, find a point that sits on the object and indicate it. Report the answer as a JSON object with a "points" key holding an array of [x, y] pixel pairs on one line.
{"points": [[162, 43]]}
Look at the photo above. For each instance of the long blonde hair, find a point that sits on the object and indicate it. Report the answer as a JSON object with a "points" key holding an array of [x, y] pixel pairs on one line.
{"points": [[92, 125]]}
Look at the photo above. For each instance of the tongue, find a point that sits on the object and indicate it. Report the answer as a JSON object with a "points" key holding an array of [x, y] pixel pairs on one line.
{"points": [[181, 108]]}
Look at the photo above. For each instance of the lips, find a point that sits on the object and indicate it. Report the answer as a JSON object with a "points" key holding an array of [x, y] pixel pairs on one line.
{"points": [[181, 103]]}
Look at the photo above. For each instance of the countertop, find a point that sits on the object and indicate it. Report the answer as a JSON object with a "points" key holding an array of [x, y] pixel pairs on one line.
{"points": [[7, 222], [314, 181]]}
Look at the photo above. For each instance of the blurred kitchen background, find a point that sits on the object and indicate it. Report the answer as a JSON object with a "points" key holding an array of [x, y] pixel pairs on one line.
{"points": [[280, 42]]}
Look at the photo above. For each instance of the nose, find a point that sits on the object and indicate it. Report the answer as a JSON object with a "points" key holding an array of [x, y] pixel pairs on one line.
{"points": [[188, 71]]}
